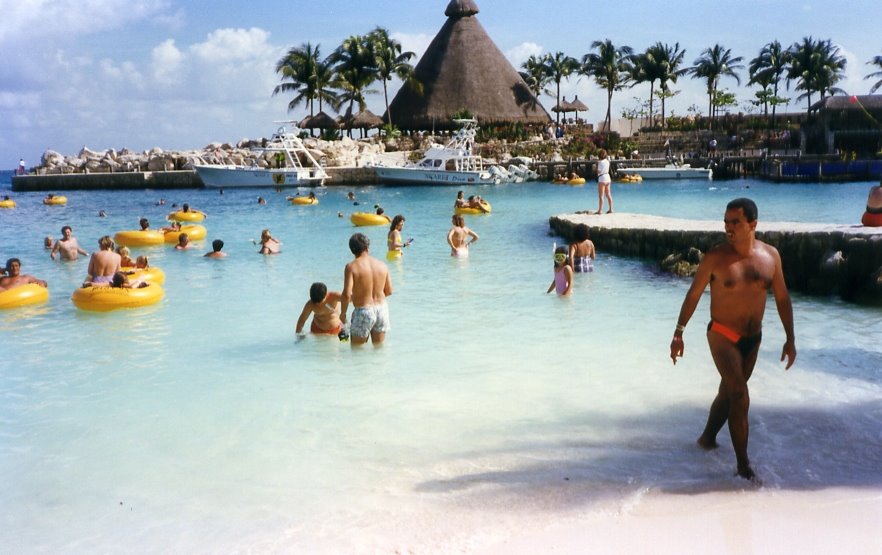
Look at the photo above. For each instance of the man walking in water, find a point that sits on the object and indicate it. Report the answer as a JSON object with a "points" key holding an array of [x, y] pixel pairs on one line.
{"points": [[366, 284], [740, 273]]}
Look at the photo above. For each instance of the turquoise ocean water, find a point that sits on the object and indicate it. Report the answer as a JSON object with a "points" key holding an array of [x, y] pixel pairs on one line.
{"points": [[203, 425]]}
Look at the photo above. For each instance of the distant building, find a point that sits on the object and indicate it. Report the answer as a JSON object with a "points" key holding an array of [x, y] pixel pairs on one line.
{"points": [[463, 69], [846, 124]]}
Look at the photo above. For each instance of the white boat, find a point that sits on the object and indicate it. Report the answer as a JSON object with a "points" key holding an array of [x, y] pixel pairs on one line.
{"points": [[449, 164], [670, 171], [295, 173]]}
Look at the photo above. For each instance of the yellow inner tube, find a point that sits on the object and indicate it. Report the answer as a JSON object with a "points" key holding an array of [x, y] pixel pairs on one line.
{"points": [[105, 298], [7, 203], [138, 238], [150, 275], [56, 200], [23, 295], [181, 216], [576, 181], [194, 232], [303, 200], [367, 218], [464, 210]]}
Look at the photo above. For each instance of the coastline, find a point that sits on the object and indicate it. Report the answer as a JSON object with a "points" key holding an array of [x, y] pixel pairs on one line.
{"points": [[769, 521]]}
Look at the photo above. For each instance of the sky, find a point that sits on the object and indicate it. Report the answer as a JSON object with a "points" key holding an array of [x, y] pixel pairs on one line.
{"points": [[179, 75]]}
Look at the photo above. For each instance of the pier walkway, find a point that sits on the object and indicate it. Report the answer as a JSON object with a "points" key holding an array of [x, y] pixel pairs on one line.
{"points": [[818, 259]]}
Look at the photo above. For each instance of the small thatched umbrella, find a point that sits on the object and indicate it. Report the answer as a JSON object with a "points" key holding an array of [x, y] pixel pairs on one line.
{"points": [[319, 121], [563, 107], [578, 106], [365, 120]]}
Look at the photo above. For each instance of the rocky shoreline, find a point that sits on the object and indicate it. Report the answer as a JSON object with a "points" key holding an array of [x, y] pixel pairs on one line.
{"points": [[344, 152]]}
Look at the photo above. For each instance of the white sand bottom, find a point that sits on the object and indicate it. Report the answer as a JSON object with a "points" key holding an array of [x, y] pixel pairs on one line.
{"points": [[751, 521]]}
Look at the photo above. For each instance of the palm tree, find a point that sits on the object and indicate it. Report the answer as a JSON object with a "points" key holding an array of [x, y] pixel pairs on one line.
{"points": [[356, 69], [876, 61], [816, 66], [644, 70], [611, 69], [663, 61], [390, 61], [559, 66], [767, 69], [535, 74], [299, 67], [714, 63]]}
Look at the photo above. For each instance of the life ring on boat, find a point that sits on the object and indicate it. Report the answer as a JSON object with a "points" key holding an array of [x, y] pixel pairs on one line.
{"points": [[466, 210], [23, 295], [305, 201], [368, 218], [195, 232], [871, 220], [104, 297], [139, 238], [7, 203], [150, 275], [55, 201], [181, 216]]}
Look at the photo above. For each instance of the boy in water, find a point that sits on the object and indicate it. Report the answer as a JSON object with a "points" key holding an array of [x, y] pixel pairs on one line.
{"points": [[324, 306]]}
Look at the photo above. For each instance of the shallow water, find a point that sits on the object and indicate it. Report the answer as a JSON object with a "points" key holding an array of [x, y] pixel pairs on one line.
{"points": [[202, 424]]}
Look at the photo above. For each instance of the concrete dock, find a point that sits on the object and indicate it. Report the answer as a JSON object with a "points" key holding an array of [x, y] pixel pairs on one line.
{"points": [[818, 259]]}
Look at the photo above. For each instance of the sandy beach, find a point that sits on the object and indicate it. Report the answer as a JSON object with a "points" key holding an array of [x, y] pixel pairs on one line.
{"points": [[764, 521]]}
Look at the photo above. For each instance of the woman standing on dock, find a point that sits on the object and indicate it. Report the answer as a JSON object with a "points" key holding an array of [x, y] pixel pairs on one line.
{"points": [[603, 182]]}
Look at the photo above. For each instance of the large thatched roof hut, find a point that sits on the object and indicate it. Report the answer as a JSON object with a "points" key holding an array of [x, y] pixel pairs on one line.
{"points": [[463, 69]]}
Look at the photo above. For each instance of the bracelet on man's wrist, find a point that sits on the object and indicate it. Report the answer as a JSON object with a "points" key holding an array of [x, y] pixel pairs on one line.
{"points": [[681, 327]]}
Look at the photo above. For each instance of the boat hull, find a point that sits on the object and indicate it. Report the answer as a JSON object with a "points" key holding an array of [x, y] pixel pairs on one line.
{"points": [[419, 176], [669, 173], [238, 176]]}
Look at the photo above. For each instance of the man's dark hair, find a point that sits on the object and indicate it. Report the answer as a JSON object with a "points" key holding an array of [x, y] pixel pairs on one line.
{"points": [[317, 292], [580, 233], [144, 223], [217, 245], [747, 206], [65, 227], [359, 243], [11, 261]]}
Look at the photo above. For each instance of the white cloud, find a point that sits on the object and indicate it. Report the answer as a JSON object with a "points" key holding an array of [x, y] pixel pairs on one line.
{"points": [[167, 61], [416, 43], [31, 19], [233, 45], [520, 53]]}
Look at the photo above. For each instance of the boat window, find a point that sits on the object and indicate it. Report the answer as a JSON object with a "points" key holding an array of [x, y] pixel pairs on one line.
{"points": [[451, 165], [437, 163]]}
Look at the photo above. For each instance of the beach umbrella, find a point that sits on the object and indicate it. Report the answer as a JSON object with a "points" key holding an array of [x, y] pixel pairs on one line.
{"points": [[563, 107], [578, 106], [365, 120], [319, 121]]}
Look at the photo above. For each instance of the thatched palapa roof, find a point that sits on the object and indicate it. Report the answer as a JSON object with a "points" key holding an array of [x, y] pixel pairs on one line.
{"points": [[857, 102], [463, 69], [319, 121]]}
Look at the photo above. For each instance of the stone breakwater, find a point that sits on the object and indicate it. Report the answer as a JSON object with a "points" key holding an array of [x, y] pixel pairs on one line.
{"points": [[818, 259], [344, 152]]}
